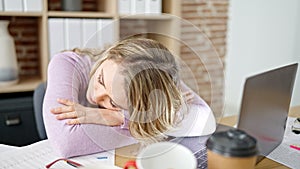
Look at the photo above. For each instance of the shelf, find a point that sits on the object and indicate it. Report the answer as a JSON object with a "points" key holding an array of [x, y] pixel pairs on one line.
{"points": [[80, 14], [39, 40], [25, 14], [25, 84], [147, 17]]}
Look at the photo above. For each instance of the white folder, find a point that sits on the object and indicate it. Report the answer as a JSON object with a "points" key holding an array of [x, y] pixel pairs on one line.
{"points": [[89, 33], [1, 5], [99, 33], [124, 6], [56, 35], [33, 5], [108, 32], [13, 5], [73, 33], [138, 6], [153, 6]]}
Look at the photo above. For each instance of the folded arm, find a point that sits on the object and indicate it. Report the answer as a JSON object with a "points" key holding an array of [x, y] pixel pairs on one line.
{"points": [[76, 113], [67, 79]]}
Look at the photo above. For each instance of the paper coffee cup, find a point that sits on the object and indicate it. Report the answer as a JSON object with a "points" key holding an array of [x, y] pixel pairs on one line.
{"points": [[232, 149], [164, 155]]}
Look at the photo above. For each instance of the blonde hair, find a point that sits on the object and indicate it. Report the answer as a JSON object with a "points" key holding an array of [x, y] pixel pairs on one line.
{"points": [[151, 76]]}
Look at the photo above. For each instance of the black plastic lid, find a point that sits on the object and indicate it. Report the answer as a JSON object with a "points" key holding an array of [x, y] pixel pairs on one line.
{"points": [[232, 143]]}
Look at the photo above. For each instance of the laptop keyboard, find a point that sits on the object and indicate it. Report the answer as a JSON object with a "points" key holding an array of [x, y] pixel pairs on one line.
{"points": [[201, 157], [197, 146]]}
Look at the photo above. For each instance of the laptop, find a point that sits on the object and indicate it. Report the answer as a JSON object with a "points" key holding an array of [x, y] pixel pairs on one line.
{"points": [[265, 106], [263, 114]]}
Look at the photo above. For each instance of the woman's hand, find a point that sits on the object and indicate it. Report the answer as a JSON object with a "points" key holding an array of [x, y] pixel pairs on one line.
{"points": [[78, 114]]}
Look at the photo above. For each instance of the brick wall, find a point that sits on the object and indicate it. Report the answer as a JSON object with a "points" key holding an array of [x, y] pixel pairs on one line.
{"points": [[208, 43]]}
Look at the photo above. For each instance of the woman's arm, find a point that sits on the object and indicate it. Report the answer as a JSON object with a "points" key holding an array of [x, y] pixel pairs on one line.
{"points": [[79, 114], [67, 79]]}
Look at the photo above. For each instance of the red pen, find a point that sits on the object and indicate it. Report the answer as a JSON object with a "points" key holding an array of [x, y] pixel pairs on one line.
{"points": [[296, 147]]}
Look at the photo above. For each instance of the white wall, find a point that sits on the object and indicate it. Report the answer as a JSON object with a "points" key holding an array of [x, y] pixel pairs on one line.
{"points": [[296, 94], [262, 35]]}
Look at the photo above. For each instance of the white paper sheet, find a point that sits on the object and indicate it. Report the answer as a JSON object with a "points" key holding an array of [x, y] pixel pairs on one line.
{"points": [[4, 148], [38, 155], [284, 154]]}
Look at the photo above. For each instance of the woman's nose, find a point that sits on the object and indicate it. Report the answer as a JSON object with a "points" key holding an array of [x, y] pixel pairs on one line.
{"points": [[99, 93]]}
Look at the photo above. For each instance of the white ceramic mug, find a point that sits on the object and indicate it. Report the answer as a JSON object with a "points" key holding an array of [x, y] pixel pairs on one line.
{"points": [[164, 155]]}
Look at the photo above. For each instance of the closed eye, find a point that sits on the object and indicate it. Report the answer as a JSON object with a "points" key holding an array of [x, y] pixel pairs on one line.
{"points": [[113, 104], [100, 80]]}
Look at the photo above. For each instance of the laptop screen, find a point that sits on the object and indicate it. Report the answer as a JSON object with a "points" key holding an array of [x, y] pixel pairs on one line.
{"points": [[265, 106]]}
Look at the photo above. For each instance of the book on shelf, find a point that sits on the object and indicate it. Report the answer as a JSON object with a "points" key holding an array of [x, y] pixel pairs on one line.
{"points": [[124, 6], [89, 33], [153, 6], [33, 5], [56, 35], [72, 33], [108, 36], [138, 6], [13, 5], [69, 33], [21, 5], [1, 5], [99, 33]]}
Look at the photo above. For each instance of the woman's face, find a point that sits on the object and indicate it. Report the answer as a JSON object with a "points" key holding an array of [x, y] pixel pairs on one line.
{"points": [[106, 87]]}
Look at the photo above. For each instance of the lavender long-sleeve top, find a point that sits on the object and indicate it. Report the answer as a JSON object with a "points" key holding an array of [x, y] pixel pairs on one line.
{"points": [[68, 77]]}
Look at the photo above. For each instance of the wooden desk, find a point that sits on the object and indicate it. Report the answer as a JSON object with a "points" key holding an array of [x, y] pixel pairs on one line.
{"points": [[124, 154], [265, 163]]}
